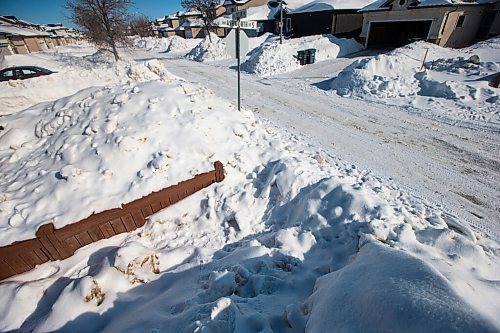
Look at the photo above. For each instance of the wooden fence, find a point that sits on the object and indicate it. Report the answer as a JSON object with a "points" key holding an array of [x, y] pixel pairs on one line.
{"points": [[55, 244]]}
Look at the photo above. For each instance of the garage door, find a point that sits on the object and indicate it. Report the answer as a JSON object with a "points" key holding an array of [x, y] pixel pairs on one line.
{"points": [[398, 33]]}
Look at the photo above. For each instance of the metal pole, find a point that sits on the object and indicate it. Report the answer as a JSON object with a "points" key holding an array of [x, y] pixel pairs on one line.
{"points": [[238, 59], [281, 21]]}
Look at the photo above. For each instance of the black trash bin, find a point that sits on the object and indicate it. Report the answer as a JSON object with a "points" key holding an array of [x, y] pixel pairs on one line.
{"points": [[301, 56], [310, 56]]}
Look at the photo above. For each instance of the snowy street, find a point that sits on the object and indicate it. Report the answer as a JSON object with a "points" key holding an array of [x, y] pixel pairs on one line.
{"points": [[455, 164]]}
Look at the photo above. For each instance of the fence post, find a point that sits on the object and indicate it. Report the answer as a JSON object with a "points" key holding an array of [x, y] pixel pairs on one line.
{"points": [[219, 171], [51, 243]]}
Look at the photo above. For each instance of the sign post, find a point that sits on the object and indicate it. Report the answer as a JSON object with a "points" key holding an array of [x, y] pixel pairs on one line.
{"points": [[237, 45], [239, 61]]}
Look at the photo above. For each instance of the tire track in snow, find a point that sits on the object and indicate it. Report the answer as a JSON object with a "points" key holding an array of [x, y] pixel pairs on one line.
{"points": [[391, 141]]}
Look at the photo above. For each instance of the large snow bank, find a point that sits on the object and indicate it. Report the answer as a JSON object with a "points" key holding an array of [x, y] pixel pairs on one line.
{"points": [[344, 302], [274, 58], [172, 44], [447, 74], [123, 138], [152, 43], [210, 49], [179, 44], [73, 73]]}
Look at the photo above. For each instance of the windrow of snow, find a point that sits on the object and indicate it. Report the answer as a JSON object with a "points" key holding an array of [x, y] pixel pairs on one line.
{"points": [[128, 140], [210, 49], [292, 240], [152, 43], [172, 44], [274, 58], [458, 78], [179, 44], [73, 73]]}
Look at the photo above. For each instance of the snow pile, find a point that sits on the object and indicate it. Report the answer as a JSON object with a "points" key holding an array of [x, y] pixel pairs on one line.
{"points": [[101, 56], [73, 73], [152, 43], [179, 44], [118, 137], [273, 58], [487, 50], [448, 74], [210, 49]]}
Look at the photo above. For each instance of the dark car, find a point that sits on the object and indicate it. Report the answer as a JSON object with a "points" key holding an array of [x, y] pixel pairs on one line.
{"points": [[23, 72]]}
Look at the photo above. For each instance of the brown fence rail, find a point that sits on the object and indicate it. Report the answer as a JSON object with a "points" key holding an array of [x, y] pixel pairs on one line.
{"points": [[54, 244]]}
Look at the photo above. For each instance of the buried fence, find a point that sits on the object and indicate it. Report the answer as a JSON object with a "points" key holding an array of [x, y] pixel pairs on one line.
{"points": [[54, 244]]}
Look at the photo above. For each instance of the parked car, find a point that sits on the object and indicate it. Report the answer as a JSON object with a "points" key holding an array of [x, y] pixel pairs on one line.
{"points": [[23, 72]]}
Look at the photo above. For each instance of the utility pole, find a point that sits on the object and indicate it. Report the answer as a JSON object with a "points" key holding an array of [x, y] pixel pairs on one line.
{"points": [[281, 21]]}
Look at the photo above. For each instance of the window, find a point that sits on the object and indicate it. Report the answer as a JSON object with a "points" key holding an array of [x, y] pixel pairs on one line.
{"points": [[288, 24], [28, 72], [460, 21], [9, 74]]}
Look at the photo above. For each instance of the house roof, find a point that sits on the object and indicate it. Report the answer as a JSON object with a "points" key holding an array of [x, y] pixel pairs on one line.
{"points": [[385, 4], [194, 23], [294, 4], [327, 5], [235, 2], [17, 31], [191, 13], [260, 13]]}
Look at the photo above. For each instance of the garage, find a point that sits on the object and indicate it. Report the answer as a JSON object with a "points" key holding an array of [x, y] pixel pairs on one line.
{"points": [[397, 33]]}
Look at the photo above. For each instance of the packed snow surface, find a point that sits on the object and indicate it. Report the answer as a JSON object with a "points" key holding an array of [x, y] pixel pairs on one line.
{"points": [[293, 240], [273, 58]]}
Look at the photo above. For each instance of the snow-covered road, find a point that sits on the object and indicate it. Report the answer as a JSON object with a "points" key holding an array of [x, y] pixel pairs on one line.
{"points": [[456, 165]]}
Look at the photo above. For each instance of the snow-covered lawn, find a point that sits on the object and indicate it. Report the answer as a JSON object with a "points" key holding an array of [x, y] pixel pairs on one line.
{"points": [[294, 239]]}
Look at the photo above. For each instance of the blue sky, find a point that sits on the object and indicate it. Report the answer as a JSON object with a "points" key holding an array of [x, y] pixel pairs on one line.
{"points": [[53, 11]]}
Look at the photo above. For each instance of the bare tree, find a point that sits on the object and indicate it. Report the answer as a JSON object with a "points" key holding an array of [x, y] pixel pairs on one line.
{"points": [[104, 21], [204, 6], [140, 25]]}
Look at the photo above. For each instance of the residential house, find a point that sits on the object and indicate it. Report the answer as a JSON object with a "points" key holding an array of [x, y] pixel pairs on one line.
{"points": [[172, 22], [338, 17], [191, 25], [233, 6], [449, 23], [60, 34], [215, 11], [262, 12], [265, 16], [18, 36]]}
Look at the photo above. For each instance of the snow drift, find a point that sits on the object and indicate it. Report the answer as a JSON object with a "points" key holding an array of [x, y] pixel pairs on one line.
{"points": [[209, 49], [273, 58], [447, 74], [73, 73]]}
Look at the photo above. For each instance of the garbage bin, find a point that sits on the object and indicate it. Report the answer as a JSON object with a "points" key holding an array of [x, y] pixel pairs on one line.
{"points": [[301, 56], [310, 56]]}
